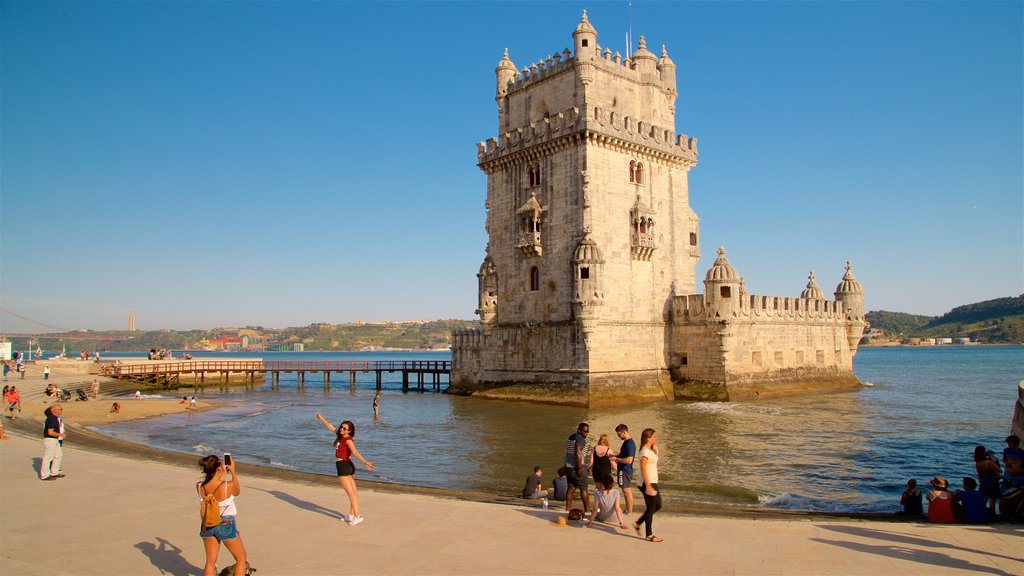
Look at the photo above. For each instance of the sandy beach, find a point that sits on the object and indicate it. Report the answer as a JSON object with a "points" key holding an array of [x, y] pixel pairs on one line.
{"points": [[126, 509]]}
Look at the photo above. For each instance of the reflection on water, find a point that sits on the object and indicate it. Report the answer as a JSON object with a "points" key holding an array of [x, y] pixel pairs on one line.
{"points": [[921, 416]]}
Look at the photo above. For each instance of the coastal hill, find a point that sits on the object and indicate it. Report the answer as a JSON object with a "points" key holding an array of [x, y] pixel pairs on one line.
{"points": [[999, 321]]}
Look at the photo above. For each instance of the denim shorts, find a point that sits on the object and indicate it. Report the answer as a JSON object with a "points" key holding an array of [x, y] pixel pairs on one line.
{"points": [[226, 530]]}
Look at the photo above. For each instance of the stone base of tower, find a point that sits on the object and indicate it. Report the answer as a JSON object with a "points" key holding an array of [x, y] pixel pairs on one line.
{"points": [[579, 389], [766, 384]]}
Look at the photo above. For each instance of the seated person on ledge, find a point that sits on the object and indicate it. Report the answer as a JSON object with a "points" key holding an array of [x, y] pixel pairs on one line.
{"points": [[971, 503], [940, 502], [1013, 460], [910, 501], [560, 485], [532, 489]]}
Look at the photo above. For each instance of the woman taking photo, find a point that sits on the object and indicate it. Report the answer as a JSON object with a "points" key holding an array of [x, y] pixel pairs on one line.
{"points": [[344, 450], [224, 490], [649, 482]]}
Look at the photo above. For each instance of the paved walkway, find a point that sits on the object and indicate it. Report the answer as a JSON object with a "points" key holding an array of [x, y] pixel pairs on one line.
{"points": [[118, 515]]}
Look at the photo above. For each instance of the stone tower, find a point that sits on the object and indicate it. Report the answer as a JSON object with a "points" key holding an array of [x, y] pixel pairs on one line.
{"points": [[590, 229]]}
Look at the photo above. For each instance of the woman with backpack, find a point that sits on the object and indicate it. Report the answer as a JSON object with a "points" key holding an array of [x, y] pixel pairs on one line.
{"points": [[217, 485]]}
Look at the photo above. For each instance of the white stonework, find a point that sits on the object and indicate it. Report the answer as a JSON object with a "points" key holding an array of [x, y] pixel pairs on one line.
{"points": [[588, 290]]}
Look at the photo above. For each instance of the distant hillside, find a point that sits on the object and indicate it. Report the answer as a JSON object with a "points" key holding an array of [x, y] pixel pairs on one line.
{"points": [[315, 337], [897, 324], [993, 321], [999, 321]]}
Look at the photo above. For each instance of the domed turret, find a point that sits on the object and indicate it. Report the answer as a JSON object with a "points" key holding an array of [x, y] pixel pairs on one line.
{"points": [[585, 40], [505, 72], [722, 287], [645, 62], [851, 295], [812, 291], [667, 70]]}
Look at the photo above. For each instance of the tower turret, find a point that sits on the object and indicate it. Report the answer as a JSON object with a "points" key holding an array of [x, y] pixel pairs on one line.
{"points": [[667, 72], [505, 74], [645, 62], [488, 284], [588, 278], [722, 287], [851, 297], [850, 294], [585, 40], [812, 291]]}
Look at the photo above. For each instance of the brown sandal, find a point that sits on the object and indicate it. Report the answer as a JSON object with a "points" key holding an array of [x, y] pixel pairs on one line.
{"points": [[653, 538]]}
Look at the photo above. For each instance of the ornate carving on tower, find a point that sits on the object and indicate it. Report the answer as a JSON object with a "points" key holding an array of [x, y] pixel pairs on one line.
{"points": [[641, 221], [530, 215], [488, 286], [588, 278]]}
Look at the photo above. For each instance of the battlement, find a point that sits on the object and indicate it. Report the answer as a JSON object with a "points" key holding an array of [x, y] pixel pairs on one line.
{"points": [[692, 307], [610, 124], [467, 338], [565, 61]]}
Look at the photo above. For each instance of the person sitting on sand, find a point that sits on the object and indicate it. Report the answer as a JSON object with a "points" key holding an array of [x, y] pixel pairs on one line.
{"points": [[138, 395], [940, 502], [971, 503], [184, 400], [910, 500], [115, 408], [560, 485], [607, 501], [532, 489]]}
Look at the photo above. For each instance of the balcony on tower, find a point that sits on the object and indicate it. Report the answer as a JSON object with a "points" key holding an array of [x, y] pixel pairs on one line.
{"points": [[530, 215]]}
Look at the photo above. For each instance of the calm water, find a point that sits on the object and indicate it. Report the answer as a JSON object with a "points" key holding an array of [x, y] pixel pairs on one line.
{"points": [[921, 413]]}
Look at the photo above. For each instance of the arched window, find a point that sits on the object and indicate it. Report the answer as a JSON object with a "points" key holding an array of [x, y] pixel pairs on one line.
{"points": [[533, 173], [632, 171], [534, 279], [639, 173]]}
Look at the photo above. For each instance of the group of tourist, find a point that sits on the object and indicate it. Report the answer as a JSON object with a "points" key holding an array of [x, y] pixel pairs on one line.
{"points": [[613, 475], [975, 502], [221, 480]]}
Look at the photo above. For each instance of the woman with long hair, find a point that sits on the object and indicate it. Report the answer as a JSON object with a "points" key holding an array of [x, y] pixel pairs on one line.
{"points": [[988, 477], [649, 482], [601, 464], [216, 482], [344, 450]]}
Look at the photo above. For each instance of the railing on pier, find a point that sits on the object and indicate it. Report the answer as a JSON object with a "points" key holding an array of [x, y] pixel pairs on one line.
{"points": [[171, 371]]}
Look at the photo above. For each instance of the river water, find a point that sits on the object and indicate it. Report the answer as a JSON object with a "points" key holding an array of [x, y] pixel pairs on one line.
{"points": [[920, 414]]}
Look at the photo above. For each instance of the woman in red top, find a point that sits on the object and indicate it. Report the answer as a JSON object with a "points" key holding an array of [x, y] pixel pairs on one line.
{"points": [[344, 450], [940, 502]]}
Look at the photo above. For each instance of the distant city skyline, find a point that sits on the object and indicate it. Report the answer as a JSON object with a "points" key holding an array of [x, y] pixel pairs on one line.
{"points": [[280, 164]]}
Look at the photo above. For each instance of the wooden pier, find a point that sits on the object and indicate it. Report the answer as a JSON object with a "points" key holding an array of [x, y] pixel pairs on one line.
{"points": [[199, 373]]}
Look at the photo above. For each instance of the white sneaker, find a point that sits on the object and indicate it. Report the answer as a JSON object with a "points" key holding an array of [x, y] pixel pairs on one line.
{"points": [[355, 520]]}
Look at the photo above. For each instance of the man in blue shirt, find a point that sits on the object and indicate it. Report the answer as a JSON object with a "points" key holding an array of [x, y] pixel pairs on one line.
{"points": [[625, 462]]}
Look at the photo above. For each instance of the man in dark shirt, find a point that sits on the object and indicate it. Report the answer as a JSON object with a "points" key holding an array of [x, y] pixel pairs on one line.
{"points": [[576, 469], [53, 439], [625, 465], [532, 489]]}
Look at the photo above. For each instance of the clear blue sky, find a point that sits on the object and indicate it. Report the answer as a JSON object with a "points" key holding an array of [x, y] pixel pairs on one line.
{"points": [[231, 163]]}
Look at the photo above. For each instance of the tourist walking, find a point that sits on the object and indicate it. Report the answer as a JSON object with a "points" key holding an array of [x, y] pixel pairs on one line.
{"points": [[13, 401], [344, 450], [575, 465], [216, 482], [46, 372], [53, 442], [95, 388], [624, 463], [7, 368], [649, 482]]}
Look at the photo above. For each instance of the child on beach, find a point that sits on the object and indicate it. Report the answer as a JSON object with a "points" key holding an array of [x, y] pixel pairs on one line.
{"points": [[560, 485], [910, 500], [344, 450]]}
